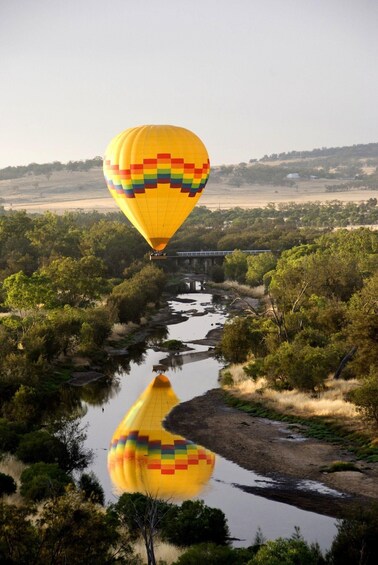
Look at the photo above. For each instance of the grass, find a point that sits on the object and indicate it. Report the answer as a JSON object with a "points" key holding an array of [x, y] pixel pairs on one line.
{"points": [[338, 466], [164, 552], [10, 465], [318, 424]]}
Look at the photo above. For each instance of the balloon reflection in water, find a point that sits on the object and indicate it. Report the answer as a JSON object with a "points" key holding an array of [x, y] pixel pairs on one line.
{"points": [[145, 458]]}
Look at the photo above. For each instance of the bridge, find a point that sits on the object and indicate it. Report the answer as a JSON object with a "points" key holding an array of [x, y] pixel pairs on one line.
{"points": [[200, 254], [206, 258]]}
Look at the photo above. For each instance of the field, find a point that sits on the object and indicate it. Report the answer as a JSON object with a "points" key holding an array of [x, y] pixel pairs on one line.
{"points": [[63, 190]]}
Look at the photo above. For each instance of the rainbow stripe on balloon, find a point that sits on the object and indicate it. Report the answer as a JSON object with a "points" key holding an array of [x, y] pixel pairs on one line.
{"points": [[164, 169], [167, 457]]}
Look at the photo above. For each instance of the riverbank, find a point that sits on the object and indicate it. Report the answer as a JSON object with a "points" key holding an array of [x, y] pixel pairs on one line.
{"points": [[278, 451]]}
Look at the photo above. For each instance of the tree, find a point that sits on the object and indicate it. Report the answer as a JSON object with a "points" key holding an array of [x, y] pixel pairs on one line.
{"points": [[7, 484], [300, 365], [40, 445], [76, 282], [212, 554], [75, 531], [258, 266], [43, 480], [73, 435], [362, 329], [366, 395], [357, 537], [143, 515], [115, 243], [292, 551], [235, 266], [27, 293], [18, 537], [193, 522], [92, 489], [235, 344]]}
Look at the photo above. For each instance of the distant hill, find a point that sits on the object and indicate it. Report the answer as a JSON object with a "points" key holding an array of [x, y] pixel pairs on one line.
{"points": [[346, 173], [47, 169], [359, 151]]}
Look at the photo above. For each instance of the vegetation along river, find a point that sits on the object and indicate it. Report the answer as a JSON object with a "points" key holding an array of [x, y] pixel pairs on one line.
{"points": [[245, 512]]}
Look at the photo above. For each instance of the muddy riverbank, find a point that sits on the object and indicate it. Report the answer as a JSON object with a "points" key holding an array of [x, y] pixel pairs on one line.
{"points": [[275, 450]]}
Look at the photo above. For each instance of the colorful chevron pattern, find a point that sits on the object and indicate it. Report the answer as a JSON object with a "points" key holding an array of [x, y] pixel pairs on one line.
{"points": [[164, 169], [167, 458]]}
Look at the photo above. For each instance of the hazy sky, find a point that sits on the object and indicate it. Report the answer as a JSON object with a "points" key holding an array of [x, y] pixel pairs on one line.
{"points": [[248, 76]]}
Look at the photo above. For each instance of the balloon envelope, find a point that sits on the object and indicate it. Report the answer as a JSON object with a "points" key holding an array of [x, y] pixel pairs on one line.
{"points": [[143, 457], [156, 174]]}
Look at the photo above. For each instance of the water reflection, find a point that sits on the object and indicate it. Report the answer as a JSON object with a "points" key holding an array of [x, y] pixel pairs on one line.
{"points": [[143, 457]]}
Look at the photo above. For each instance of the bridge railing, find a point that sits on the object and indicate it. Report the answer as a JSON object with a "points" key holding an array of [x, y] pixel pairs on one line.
{"points": [[217, 253]]}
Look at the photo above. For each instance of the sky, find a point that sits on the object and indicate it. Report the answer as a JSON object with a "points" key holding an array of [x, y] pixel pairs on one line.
{"points": [[249, 77]]}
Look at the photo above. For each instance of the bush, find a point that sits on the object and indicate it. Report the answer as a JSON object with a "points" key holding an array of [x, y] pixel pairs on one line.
{"points": [[41, 446], [357, 538], [7, 484], [193, 522], [292, 551], [8, 437], [43, 480], [212, 554], [91, 488], [366, 396]]}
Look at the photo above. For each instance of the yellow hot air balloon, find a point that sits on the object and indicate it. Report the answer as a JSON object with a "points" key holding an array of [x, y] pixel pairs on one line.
{"points": [[156, 174], [143, 457]]}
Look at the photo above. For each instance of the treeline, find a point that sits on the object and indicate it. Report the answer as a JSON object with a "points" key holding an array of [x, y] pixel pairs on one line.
{"points": [[275, 227], [320, 315], [48, 169], [359, 151], [64, 282], [74, 528], [282, 174]]}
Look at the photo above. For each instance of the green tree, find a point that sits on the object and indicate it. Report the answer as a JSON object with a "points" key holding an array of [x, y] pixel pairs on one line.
{"points": [[40, 445], [143, 515], [362, 329], [258, 266], [357, 538], [293, 551], [76, 282], [300, 365], [7, 484], [115, 243], [366, 395], [91, 488], [18, 537], [75, 531], [212, 554], [27, 293], [193, 522], [235, 266], [43, 480]]}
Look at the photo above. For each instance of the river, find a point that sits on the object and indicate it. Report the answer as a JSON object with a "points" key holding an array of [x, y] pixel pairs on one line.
{"points": [[245, 512]]}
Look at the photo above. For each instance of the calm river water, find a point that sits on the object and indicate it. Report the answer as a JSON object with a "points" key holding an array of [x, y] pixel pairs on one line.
{"points": [[245, 512]]}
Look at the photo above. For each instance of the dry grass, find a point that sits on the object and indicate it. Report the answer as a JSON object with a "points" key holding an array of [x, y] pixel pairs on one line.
{"points": [[331, 402], [12, 466], [163, 551]]}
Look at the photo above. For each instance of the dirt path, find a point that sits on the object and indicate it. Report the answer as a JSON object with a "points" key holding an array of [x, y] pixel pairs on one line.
{"points": [[276, 450]]}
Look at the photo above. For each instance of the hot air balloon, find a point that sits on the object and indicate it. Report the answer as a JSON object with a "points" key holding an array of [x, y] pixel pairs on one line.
{"points": [[156, 174], [143, 457]]}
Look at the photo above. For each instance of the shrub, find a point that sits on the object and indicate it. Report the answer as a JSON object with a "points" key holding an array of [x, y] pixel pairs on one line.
{"points": [[91, 488], [43, 480], [40, 445], [7, 484], [193, 522], [366, 396]]}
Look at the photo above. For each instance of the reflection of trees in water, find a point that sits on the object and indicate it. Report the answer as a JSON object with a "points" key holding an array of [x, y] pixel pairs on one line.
{"points": [[101, 391], [69, 404], [159, 334]]}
